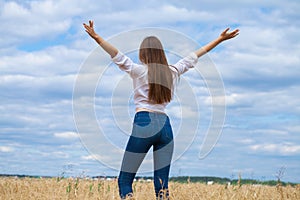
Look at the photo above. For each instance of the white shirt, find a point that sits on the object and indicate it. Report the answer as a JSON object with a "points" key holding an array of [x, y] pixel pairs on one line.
{"points": [[139, 75]]}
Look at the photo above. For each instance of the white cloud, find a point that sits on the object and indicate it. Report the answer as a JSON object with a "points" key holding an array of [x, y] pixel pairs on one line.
{"points": [[88, 157], [66, 135], [271, 131], [281, 148], [183, 111], [147, 16], [246, 141], [55, 60], [6, 149], [29, 23]]}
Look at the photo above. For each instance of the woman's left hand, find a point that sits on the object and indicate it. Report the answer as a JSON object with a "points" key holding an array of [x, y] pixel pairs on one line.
{"points": [[90, 29]]}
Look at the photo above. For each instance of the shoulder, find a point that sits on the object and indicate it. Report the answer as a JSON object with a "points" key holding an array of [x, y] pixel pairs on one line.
{"points": [[126, 64], [173, 69], [138, 70]]}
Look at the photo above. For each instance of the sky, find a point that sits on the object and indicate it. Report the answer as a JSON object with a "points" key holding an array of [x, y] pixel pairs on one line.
{"points": [[48, 64]]}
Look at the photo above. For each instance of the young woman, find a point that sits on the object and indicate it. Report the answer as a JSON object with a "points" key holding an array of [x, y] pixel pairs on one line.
{"points": [[153, 80]]}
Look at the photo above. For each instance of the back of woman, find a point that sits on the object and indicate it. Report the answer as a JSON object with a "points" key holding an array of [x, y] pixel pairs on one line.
{"points": [[154, 81]]}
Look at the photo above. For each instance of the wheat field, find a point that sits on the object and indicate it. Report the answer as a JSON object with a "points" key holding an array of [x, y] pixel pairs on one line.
{"points": [[68, 188]]}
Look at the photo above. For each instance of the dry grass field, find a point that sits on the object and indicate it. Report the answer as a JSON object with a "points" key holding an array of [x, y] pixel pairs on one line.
{"points": [[67, 188]]}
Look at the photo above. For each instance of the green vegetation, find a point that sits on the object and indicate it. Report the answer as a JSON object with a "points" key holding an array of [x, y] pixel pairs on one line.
{"points": [[185, 179]]}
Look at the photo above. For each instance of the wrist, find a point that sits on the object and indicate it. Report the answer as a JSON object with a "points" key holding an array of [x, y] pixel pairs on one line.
{"points": [[220, 39], [98, 39]]}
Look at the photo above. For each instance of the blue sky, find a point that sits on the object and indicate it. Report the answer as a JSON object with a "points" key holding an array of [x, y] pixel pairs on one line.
{"points": [[43, 47]]}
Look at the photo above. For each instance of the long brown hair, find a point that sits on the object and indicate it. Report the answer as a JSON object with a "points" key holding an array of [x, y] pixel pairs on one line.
{"points": [[160, 78]]}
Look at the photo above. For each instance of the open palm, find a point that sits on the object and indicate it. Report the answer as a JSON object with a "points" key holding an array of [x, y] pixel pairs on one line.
{"points": [[90, 29], [225, 35]]}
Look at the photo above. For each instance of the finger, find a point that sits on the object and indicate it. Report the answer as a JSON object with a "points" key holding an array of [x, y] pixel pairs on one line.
{"points": [[85, 25], [236, 32], [225, 31]]}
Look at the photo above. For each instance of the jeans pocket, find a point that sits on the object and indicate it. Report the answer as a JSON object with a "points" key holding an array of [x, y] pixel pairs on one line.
{"points": [[142, 122], [142, 119]]}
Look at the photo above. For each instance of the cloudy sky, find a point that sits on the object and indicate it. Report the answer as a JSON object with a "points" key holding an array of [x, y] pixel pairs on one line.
{"points": [[44, 54]]}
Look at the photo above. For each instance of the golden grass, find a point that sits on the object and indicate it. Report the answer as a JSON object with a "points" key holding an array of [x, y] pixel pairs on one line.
{"points": [[51, 188]]}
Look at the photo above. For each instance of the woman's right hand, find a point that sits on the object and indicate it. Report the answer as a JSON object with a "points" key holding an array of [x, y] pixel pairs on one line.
{"points": [[225, 35]]}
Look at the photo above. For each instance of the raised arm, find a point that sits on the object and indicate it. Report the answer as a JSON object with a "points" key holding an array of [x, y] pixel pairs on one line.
{"points": [[110, 49], [225, 35]]}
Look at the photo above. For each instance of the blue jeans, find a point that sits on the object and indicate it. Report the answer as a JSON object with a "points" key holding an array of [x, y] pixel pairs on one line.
{"points": [[149, 129]]}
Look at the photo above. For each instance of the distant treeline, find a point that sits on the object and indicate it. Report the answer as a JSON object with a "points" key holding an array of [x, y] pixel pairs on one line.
{"points": [[23, 176], [218, 180], [223, 181], [181, 179]]}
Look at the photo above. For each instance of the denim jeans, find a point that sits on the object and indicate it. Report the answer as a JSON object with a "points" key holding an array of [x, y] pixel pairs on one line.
{"points": [[149, 129]]}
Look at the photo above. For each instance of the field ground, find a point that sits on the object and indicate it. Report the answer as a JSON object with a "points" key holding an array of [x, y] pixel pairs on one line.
{"points": [[67, 188]]}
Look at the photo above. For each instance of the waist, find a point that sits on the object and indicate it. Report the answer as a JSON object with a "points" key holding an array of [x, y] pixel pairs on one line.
{"points": [[148, 110], [150, 116]]}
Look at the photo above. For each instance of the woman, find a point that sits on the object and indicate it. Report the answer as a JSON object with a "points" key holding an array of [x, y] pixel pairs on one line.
{"points": [[153, 82]]}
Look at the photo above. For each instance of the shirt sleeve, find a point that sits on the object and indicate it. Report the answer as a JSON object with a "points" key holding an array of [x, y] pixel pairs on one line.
{"points": [[186, 63], [124, 62]]}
